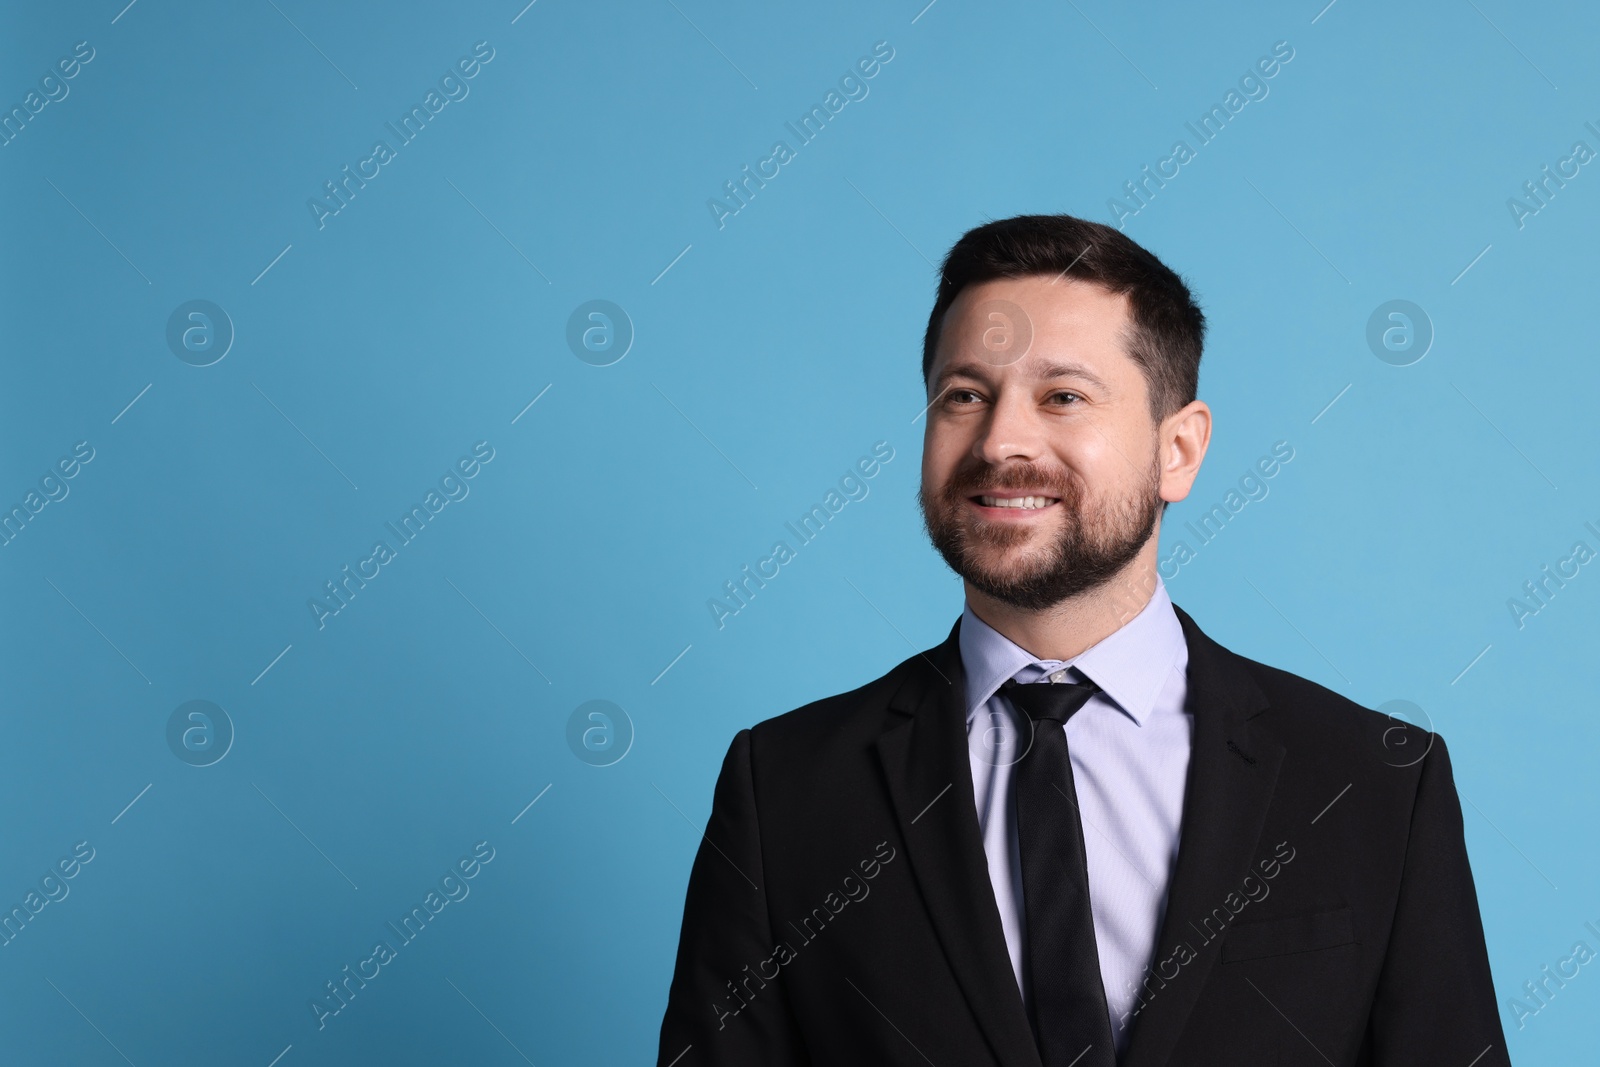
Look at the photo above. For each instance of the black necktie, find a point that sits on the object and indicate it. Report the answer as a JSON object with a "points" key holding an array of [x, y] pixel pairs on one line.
{"points": [[1068, 1005]]}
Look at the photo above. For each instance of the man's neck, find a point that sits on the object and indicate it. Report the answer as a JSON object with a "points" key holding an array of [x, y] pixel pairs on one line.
{"points": [[1067, 629]]}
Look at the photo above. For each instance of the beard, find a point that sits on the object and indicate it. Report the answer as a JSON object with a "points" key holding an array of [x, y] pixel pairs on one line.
{"points": [[1090, 547]]}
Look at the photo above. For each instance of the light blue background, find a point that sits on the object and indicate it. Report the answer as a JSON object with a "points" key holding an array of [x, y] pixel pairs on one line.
{"points": [[432, 709]]}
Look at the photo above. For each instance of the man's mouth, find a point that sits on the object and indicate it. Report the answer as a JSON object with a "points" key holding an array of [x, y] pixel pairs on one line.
{"points": [[1020, 503]]}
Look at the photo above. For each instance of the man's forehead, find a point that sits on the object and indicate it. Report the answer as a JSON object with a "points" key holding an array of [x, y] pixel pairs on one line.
{"points": [[1046, 303], [1039, 326]]}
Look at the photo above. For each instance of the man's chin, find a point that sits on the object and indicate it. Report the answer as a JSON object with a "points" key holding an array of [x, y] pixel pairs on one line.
{"points": [[1004, 581], [1017, 593]]}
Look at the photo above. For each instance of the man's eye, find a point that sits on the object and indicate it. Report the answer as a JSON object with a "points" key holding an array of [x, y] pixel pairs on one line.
{"points": [[961, 396], [1057, 396]]}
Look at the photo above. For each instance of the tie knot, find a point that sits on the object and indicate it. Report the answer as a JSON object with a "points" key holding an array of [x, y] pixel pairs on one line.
{"points": [[1055, 701]]}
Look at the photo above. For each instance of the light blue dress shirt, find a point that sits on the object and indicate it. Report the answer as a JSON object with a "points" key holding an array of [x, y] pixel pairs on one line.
{"points": [[1130, 761]]}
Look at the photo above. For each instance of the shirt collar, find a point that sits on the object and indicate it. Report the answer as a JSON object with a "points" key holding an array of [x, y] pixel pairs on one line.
{"points": [[1130, 664]]}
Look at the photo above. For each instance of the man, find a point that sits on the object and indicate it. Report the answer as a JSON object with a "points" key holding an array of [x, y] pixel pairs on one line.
{"points": [[1079, 832]]}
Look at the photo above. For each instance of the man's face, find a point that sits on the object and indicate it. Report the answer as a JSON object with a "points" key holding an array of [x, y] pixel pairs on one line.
{"points": [[1041, 475]]}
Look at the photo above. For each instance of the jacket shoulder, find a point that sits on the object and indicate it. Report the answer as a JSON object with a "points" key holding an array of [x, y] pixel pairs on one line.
{"points": [[834, 738], [840, 712], [1311, 716]]}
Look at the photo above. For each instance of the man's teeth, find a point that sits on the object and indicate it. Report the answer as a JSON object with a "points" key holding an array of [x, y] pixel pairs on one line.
{"points": [[1026, 502]]}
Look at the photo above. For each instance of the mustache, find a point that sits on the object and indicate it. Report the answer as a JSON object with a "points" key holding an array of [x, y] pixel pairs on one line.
{"points": [[984, 480]]}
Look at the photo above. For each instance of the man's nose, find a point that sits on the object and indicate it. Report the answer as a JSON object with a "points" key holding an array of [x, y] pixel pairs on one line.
{"points": [[1013, 430]]}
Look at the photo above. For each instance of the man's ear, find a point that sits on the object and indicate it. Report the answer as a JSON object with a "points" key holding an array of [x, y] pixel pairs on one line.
{"points": [[1183, 439]]}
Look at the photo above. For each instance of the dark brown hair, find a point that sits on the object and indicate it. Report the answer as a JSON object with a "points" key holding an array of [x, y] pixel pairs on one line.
{"points": [[1167, 330]]}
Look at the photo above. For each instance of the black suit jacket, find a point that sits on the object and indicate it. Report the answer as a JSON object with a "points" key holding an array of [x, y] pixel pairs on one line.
{"points": [[839, 910]]}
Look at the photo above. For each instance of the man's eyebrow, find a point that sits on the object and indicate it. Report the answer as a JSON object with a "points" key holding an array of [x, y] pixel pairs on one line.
{"points": [[1069, 369]]}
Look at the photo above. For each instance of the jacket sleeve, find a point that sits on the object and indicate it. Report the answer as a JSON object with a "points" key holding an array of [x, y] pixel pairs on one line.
{"points": [[721, 1011], [1435, 999]]}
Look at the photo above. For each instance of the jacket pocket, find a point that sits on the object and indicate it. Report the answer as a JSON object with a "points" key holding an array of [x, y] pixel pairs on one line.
{"points": [[1282, 937]]}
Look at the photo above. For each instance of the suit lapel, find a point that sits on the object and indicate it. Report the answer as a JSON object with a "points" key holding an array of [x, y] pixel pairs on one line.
{"points": [[1232, 773], [925, 761]]}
